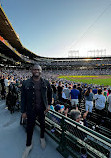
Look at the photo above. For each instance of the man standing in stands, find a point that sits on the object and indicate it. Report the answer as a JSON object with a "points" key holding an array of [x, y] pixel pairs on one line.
{"points": [[36, 98], [7, 82], [54, 90], [100, 101], [59, 91], [74, 96], [80, 94]]}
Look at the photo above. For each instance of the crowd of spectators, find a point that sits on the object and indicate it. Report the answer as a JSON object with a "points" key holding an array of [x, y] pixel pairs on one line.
{"points": [[63, 91], [67, 96], [80, 72]]}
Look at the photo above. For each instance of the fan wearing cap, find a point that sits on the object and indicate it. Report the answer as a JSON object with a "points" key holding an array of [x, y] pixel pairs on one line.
{"points": [[63, 109], [59, 108]]}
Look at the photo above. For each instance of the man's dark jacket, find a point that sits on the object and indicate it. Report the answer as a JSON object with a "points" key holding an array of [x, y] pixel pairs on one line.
{"points": [[28, 95]]}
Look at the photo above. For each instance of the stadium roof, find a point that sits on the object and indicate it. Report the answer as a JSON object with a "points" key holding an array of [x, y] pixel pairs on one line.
{"points": [[9, 34], [7, 31], [7, 55]]}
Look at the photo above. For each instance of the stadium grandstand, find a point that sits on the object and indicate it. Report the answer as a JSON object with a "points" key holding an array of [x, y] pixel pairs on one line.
{"points": [[70, 138], [12, 52]]}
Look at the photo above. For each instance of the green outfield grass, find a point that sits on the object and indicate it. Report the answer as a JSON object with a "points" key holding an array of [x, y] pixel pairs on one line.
{"points": [[101, 81]]}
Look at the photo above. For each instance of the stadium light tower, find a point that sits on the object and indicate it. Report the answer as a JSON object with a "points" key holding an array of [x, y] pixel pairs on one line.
{"points": [[73, 54]]}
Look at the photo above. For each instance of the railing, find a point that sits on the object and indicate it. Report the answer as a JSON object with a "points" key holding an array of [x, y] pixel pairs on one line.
{"points": [[75, 139]]}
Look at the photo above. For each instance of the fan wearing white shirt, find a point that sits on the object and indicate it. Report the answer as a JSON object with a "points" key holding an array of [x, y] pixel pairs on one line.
{"points": [[100, 101], [7, 83]]}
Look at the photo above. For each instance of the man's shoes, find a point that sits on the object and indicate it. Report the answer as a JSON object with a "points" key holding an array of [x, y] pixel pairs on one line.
{"points": [[27, 151], [43, 143]]}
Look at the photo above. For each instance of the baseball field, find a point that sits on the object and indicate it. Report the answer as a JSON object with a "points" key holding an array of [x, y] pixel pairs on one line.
{"points": [[99, 80]]}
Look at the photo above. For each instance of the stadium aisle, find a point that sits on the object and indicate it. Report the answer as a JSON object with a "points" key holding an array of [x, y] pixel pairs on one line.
{"points": [[12, 138]]}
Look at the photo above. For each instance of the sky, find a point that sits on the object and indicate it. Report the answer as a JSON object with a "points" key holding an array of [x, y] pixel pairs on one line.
{"points": [[53, 28]]}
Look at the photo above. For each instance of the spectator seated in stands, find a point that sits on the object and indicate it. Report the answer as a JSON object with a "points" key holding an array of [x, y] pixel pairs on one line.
{"points": [[66, 110], [63, 109], [59, 108], [76, 116]]}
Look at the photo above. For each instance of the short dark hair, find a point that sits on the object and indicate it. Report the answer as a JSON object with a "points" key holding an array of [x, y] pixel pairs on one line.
{"points": [[60, 82], [74, 114], [74, 86], [36, 65], [109, 91], [53, 82], [99, 91], [57, 108]]}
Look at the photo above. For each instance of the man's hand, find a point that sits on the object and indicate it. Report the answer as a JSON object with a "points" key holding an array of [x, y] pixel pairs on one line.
{"points": [[24, 115], [47, 109], [66, 112], [85, 114]]}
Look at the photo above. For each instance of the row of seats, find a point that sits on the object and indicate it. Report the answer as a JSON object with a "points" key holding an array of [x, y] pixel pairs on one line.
{"points": [[97, 122]]}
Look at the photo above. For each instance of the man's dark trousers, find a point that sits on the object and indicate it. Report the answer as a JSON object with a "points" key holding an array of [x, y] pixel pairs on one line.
{"points": [[31, 123]]}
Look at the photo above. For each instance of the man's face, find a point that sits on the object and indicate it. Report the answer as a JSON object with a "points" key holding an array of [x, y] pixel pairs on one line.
{"points": [[78, 118], [36, 71]]}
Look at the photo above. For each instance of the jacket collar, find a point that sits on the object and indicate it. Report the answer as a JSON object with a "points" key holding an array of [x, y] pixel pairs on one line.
{"points": [[42, 81]]}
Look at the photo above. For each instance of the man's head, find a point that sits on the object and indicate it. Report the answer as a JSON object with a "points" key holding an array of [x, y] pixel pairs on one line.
{"points": [[6, 77], [74, 87], [109, 91], [12, 77], [60, 83], [53, 82], [36, 70], [75, 115], [59, 108], [99, 91]]}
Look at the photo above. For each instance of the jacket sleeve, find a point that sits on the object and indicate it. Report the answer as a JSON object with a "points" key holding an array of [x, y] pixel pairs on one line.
{"points": [[49, 93], [23, 98]]}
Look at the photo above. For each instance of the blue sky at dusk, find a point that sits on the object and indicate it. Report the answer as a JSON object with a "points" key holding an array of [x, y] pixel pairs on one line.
{"points": [[54, 27]]}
